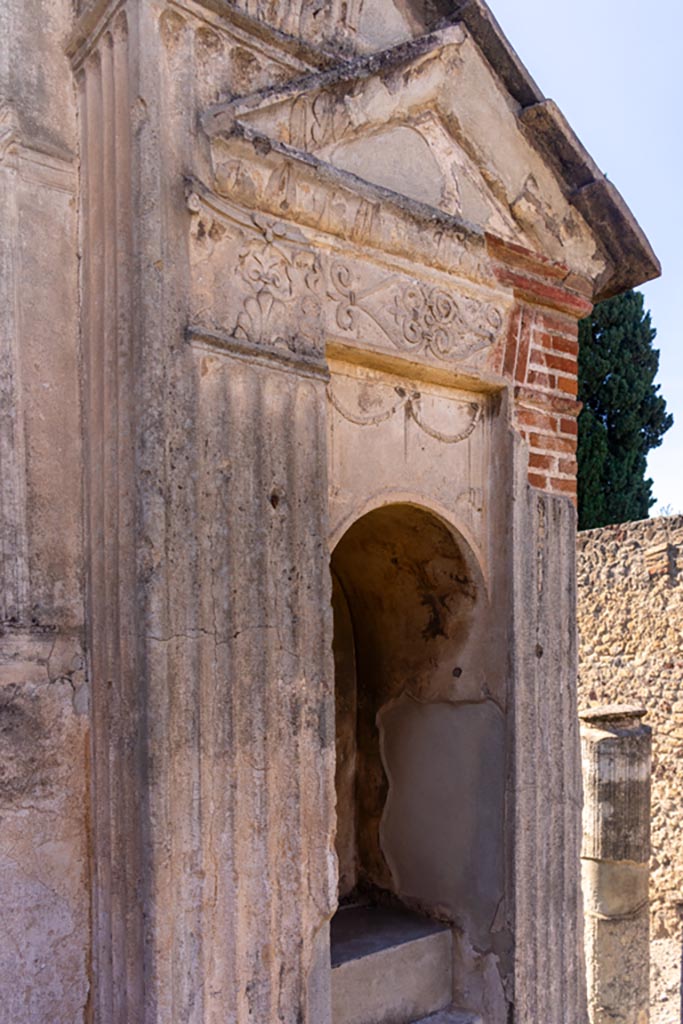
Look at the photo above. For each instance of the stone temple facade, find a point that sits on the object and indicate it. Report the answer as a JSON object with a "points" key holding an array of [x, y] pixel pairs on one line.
{"points": [[287, 431]]}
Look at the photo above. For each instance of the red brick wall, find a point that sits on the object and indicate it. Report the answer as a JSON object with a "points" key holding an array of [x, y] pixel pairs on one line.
{"points": [[540, 358]]}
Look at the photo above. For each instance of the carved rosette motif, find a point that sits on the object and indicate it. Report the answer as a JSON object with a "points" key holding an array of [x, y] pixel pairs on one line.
{"points": [[281, 280]]}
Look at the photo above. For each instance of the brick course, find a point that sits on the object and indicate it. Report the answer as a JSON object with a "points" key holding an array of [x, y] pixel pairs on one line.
{"points": [[541, 356]]}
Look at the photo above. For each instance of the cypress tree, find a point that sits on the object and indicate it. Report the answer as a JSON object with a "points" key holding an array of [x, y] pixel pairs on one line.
{"points": [[623, 416]]}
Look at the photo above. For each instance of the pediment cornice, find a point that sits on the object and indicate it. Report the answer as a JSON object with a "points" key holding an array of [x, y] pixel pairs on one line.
{"points": [[298, 187], [580, 217]]}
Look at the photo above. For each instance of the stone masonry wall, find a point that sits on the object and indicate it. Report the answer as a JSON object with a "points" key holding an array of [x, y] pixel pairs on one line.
{"points": [[630, 604]]}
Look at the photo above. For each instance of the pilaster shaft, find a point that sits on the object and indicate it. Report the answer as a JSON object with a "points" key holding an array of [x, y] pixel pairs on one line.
{"points": [[616, 755]]}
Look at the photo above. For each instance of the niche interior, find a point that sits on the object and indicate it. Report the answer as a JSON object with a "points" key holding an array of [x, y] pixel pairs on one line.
{"points": [[419, 769]]}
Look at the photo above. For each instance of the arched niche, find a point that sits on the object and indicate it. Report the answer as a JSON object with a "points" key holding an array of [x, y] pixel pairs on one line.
{"points": [[420, 769]]}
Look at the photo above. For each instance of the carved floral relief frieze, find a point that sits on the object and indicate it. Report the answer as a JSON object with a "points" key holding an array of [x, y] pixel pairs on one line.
{"points": [[255, 280], [321, 198], [262, 281], [278, 278]]}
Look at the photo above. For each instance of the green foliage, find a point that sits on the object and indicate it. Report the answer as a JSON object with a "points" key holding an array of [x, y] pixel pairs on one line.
{"points": [[623, 414]]}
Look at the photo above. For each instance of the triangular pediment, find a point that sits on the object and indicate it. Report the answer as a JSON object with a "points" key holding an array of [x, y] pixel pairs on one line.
{"points": [[427, 121], [416, 156], [430, 121]]}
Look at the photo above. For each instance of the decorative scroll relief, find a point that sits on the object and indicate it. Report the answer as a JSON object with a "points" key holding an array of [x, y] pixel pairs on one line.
{"points": [[415, 316], [411, 403]]}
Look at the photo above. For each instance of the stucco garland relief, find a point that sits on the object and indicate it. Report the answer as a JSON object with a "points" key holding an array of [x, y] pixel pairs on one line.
{"points": [[383, 438], [410, 402]]}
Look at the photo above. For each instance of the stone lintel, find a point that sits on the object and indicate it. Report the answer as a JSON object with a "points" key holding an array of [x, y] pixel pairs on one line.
{"points": [[280, 358]]}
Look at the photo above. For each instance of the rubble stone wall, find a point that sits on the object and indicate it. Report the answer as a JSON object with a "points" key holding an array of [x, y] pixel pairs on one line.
{"points": [[630, 613]]}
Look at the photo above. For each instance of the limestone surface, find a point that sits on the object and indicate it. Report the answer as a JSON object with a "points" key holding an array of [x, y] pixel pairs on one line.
{"points": [[288, 343]]}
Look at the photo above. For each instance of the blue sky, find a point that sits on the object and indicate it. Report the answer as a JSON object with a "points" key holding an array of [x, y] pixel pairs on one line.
{"points": [[615, 68]]}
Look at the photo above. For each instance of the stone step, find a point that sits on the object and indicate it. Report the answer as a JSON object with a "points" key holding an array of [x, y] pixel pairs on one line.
{"points": [[452, 1017], [389, 966]]}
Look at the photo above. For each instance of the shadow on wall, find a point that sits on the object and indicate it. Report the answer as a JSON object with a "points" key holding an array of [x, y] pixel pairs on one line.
{"points": [[420, 766]]}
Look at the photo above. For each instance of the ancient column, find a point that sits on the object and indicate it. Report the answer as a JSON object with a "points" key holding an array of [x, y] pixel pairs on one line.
{"points": [[616, 755]]}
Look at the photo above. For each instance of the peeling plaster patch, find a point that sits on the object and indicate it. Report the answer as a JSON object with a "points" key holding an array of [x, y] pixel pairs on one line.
{"points": [[44, 902], [478, 984], [442, 826]]}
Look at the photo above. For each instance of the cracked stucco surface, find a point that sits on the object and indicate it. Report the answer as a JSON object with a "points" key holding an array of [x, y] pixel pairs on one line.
{"points": [[44, 904]]}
